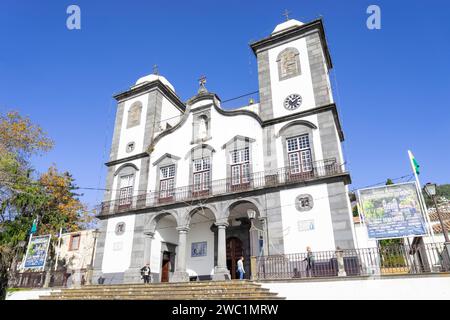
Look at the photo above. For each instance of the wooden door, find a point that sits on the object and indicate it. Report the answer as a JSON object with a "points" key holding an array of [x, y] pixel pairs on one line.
{"points": [[234, 252], [165, 267]]}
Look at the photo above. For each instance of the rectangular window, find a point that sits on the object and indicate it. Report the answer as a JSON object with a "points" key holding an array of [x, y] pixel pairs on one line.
{"points": [[240, 166], [299, 154], [74, 242], [126, 189], [201, 171], [167, 181]]}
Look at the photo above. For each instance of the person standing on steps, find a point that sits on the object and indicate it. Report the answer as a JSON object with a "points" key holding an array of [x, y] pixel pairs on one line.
{"points": [[145, 272], [240, 267], [309, 262]]}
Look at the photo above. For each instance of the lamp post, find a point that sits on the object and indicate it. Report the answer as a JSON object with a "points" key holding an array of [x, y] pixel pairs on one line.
{"points": [[95, 233], [430, 190]]}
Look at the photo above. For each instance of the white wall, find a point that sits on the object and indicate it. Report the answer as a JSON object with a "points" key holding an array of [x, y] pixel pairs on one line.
{"points": [[200, 232], [136, 133], [301, 84], [223, 129], [321, 237], [117, 250], [80, 258], [165, 232], [399, 288]]}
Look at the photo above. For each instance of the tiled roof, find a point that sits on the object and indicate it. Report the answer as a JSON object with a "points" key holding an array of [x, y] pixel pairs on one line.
{"points": [[444, 214], [438, 229]]}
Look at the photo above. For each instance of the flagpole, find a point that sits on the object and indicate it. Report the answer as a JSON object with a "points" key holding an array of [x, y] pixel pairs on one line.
{"points": [[421, 199], [26, 253]]}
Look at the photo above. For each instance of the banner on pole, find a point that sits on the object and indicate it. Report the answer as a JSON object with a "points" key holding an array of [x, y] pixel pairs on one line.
{"points": [[37, 252], [392, 211]]}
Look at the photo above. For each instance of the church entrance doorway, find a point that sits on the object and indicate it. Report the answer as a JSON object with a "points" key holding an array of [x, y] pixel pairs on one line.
{"points": [[234, 252], [165, 266]]}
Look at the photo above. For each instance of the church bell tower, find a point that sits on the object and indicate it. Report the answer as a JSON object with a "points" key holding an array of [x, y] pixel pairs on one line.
{"points": [[293, 69]]}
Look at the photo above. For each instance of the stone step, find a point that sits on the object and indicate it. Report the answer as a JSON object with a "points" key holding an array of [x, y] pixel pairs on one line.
{"points": [[172, 297], [177, 284], [202, 290], [155, 289], [159, 292]]}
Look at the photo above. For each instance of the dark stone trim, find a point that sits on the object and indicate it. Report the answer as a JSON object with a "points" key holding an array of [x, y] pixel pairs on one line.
{"points": [[296, 122], [230, 113], [295, 32], [156, 84], [345, 177], [131, 158], [125, 165], [202, 96], [236, 138], [331, 106], [166, 155]]}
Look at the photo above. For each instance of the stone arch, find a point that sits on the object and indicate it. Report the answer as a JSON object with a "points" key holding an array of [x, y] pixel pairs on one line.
{"points": [[288, 63], [152, 221], [131, 166], [186, 220], [200, 151], [233, 203], [291, 126]]}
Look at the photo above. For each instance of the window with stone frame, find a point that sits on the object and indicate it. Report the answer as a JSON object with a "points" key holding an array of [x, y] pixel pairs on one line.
{"points": [[74, 243], [240, 166], [126, 190], [201, 174], [166, 181], [299, 154], [134, 115], [288, 64]]}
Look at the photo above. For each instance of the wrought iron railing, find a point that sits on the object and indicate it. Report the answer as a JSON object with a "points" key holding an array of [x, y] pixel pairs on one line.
{"points": [[258, 180], [30, 279], [387, 260]]}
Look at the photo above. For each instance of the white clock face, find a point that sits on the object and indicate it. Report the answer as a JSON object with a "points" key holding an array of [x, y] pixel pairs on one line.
{"points": [[293, 101]]}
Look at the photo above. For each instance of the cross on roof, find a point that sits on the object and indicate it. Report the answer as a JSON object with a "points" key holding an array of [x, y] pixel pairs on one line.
{"points": [[202, 81], [286, 14], [155, 69]]}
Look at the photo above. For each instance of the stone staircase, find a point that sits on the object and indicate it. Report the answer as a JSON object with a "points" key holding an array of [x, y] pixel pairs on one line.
{"points": [[201, 290]]}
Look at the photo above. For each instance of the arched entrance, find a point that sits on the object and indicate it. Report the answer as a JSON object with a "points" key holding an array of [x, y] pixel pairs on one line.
{"points": [[234, 252], [245, 236]]}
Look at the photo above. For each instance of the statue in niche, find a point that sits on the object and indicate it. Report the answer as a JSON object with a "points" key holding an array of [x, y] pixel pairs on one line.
{"points": [[202, 128]]}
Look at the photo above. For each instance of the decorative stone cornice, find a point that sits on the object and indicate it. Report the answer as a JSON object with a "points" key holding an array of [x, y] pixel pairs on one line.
{"points": [[127, 159], [294, 33], [153, 85]]}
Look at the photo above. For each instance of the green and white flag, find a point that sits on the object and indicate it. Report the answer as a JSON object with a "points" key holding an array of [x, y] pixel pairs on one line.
{"points": [[414, 163]]}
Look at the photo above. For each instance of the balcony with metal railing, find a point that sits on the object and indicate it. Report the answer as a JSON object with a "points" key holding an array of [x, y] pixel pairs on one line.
{"points": [[256, 181]]}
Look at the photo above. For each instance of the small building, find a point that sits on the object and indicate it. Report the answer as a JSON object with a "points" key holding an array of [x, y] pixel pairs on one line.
{"points": [[75, 254]]}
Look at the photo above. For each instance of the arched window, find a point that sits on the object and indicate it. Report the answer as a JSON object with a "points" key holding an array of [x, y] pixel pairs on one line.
{"points": [[288, 63], [134, 115]]}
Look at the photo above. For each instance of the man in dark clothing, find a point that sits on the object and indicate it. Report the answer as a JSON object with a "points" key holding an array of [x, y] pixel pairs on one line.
{"points": [[309, 262], [145, 272]]}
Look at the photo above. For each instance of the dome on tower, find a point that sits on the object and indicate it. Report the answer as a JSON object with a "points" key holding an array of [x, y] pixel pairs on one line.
{"points": [[287, 25], [154, 77]]}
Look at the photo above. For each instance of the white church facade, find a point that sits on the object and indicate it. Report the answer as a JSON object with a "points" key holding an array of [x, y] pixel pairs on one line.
{"points": [[193, 186]]}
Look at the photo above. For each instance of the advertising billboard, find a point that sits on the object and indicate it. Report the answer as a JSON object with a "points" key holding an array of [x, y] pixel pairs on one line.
{"points": [[392, 211], [37, 252]]}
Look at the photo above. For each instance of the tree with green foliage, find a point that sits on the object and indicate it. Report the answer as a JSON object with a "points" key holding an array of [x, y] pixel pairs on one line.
{"points": [[51, 197]]}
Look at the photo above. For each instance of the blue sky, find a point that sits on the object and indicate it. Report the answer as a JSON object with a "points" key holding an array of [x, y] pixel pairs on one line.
{"points": [[392, 86]]}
